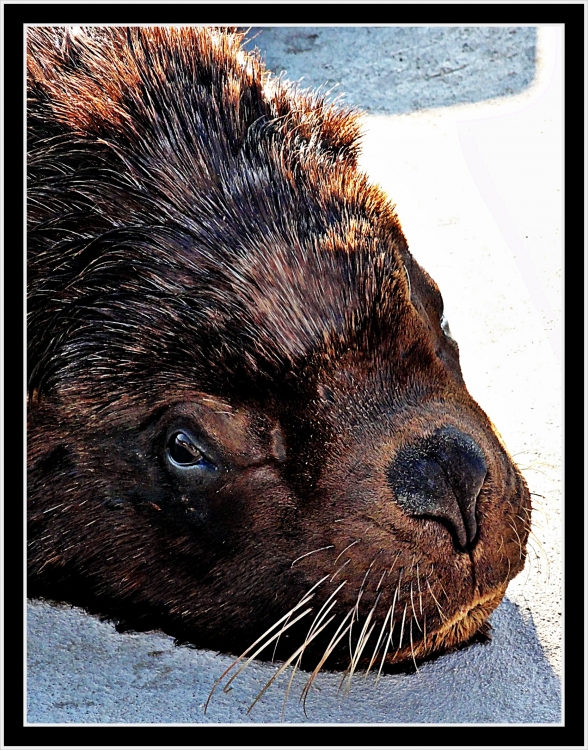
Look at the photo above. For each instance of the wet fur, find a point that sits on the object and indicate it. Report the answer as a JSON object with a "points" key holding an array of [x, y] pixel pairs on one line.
{"points": [[203, 252]]}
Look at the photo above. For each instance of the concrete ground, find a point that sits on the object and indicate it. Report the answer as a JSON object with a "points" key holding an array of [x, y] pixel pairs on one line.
{"points": [[464, 133]]}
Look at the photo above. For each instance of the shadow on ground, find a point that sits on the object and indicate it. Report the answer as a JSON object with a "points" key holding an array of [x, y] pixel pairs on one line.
{"points": [[394, 70], [81, 670]]}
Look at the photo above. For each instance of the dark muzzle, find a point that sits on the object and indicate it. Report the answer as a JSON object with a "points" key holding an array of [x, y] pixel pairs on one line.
{"points": [[441, 476]]}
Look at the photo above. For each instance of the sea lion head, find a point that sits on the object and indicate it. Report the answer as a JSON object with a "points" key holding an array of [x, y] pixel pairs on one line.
{"points": [[246, 410]]}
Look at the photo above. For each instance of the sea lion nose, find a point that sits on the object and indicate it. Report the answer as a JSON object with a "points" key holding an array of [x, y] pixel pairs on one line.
{"points": [[441, 475]]}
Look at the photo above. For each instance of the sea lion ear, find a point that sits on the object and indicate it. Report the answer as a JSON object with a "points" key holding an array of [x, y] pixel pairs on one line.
{"points": [[444, 323]]}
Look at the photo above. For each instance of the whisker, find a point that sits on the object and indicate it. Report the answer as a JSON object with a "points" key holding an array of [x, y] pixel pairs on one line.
{"points": [[425, 631], [545, 555], [540, 555], [353, 620], [380, 637], [288, 688], [340, 569], [443, 590], [538, 508], [529, 563], [304, 600], [412, 647], [389, 635], [534, 536], [314, 551], [330, 648], [349, 546], [439, 608], [507, 578], [278, 638], [259, 650], [292, 611], [394, 563], [402, 628], [380, 581], [318, 619], [520, 453], [359, 652], [419, 587], [308, 639], [408, 279], [368, 571], [533, 467], [501, 546], [356, 608], [361, 641], [513, 527], [413, 610], [240, 658], [287, 663]]}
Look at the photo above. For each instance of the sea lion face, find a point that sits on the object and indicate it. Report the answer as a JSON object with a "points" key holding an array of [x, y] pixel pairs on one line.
{"points": [[254, 420]]}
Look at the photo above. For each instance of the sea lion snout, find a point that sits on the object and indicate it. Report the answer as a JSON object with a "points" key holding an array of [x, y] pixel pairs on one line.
{"points": [[441, 475]]}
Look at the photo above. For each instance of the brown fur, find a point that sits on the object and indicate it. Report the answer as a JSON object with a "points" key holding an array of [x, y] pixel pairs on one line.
{"points": [[204, 255]]}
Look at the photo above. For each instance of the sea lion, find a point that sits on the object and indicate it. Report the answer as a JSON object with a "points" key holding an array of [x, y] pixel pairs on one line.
{"points": [[247, 420]]}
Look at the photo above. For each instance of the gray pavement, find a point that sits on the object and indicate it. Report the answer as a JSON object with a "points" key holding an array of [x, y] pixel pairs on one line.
{"points": [[466, 140], [402, 69], [82, 670]]}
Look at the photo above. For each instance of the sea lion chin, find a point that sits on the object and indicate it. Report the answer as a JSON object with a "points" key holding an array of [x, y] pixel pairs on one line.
{"points": [[247, 420]]}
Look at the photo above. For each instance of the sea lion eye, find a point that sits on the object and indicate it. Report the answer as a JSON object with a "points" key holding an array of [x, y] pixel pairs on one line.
{"points": [[182, 452]]}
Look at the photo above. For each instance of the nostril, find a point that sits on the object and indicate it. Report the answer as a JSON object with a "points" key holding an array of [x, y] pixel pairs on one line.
{"points": [[421, 488], [441, 476]]}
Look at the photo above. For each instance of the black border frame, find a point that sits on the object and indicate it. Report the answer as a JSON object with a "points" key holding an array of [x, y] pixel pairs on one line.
{"points": [[573, 733]]}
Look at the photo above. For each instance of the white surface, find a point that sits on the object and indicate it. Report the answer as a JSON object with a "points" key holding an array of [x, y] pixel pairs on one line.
{"points": [[478, 191]]}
